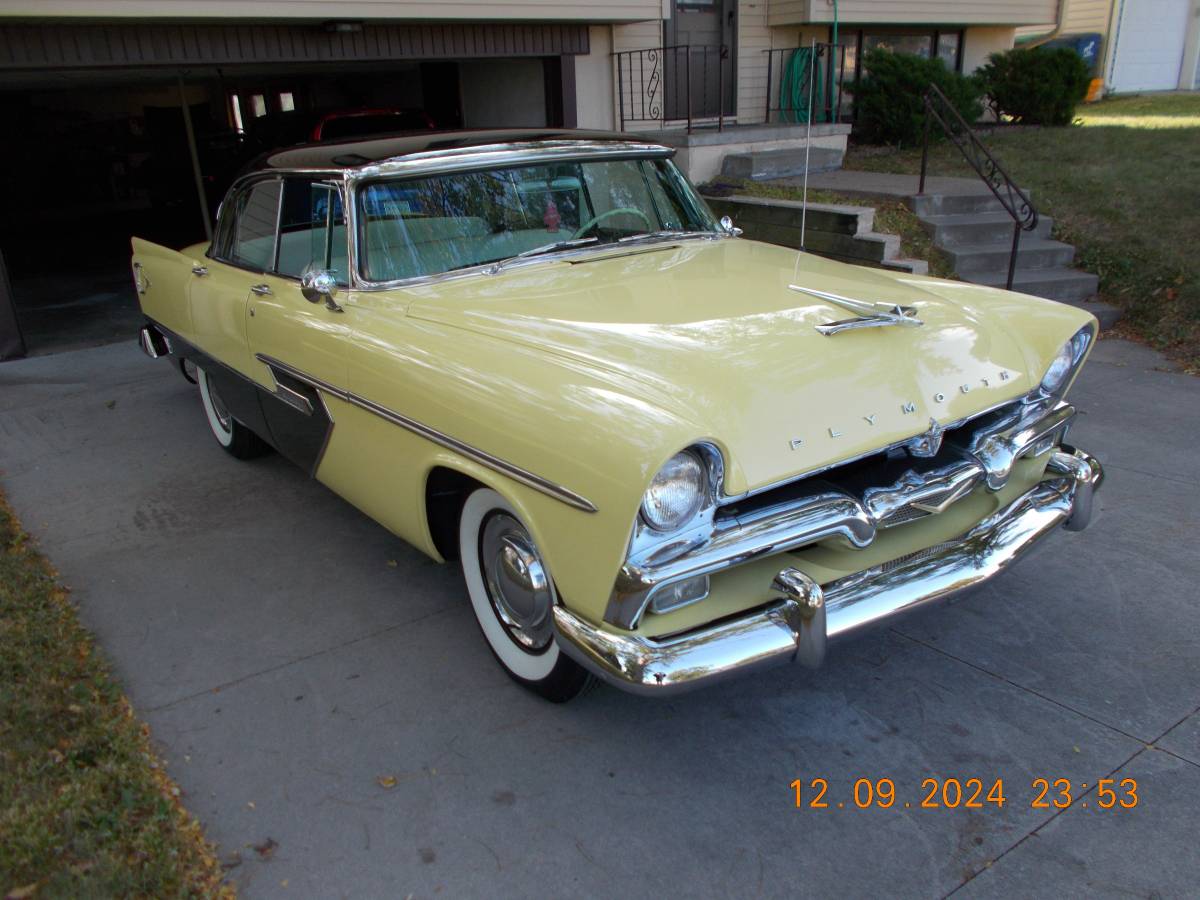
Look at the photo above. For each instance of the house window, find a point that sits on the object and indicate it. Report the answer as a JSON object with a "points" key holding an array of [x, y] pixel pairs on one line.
{"points": [[259, 104], [946, 45], [287, 102], [235, 106]]}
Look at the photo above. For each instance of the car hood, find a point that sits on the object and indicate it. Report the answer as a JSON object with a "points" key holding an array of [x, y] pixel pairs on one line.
{"points": [[710, 331]]}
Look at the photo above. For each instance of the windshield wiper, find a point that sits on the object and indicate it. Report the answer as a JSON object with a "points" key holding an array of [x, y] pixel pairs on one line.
{"points": [[665, 233], [499, 265]]}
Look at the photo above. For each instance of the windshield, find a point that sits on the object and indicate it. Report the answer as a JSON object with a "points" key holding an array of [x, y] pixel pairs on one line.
{"points": [[424, 226]]}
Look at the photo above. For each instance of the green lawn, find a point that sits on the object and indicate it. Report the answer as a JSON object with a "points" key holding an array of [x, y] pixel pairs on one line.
{"points": [[1123, 186], [86, 809]]}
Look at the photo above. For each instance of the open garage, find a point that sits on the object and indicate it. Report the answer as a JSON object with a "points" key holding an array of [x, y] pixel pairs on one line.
{"points": [[131, 129]]}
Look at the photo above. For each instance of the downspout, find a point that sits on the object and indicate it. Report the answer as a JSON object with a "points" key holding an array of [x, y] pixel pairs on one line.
{"points": [[1058, 27], [833, 70]]}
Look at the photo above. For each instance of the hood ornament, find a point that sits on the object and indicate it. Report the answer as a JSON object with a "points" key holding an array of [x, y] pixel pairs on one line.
{"points": [[927, 444], [870, 315]]}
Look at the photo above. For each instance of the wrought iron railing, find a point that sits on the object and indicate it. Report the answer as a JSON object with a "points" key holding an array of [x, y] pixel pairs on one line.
{"points": [[796, 74], [1016, 203], [682, 85]]}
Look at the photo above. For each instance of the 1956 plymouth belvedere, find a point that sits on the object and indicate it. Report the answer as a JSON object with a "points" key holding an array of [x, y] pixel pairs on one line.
{"points": [[664, 454]]}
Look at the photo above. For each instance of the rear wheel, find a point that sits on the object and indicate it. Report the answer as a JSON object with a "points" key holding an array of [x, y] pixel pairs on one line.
{"points": [[236, 438], [513, 596]]}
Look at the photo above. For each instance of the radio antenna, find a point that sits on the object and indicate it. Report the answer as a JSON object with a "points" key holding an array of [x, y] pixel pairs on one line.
{"points": [[812, 67], [812, 64]]}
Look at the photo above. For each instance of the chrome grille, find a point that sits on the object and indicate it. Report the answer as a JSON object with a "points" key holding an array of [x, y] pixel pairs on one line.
{"points": [[915, 556], [902, 515]]}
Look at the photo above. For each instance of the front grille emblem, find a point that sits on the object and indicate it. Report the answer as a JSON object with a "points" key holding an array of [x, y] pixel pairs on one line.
{"points": [[927, 444]]}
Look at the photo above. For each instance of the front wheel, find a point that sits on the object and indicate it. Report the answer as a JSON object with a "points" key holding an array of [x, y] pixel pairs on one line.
{"points": [[513, 596], [236, 438]]}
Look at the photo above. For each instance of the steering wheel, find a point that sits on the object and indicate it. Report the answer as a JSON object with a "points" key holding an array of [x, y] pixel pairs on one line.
{"points": [[596, 220]]}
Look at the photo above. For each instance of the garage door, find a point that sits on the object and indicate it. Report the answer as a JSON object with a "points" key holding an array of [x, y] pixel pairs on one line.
{"points": [[1149, 49]]}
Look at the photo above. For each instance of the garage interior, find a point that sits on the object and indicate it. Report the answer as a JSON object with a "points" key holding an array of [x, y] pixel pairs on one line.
{"points": [[123, 128]]}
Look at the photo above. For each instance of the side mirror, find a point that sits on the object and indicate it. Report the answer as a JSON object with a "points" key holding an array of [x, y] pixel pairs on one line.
{"points": [[729, 228], [319, 285]]}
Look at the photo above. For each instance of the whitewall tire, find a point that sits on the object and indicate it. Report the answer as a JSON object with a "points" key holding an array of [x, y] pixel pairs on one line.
{"points": [[236, 438], [513, 597]]}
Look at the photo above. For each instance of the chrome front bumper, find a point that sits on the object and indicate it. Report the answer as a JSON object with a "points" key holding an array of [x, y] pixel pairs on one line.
{"points": [[797, 627]]}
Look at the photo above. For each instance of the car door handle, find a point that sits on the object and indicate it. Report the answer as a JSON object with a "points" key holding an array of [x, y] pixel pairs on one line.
{"points": [[200, 270], [263, 290]]}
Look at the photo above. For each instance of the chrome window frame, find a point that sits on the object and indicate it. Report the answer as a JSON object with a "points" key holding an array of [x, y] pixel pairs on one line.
{"points": [[437, 162], [334, 179]]}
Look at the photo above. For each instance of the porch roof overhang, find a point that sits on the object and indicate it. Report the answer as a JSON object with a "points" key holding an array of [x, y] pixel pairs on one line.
{"points": [[929, 13]]}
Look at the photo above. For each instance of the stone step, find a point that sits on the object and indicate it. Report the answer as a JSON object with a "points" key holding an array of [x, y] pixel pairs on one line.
{"points": [[980, 228], [975, 262], [784, 163], [1058, 283]]}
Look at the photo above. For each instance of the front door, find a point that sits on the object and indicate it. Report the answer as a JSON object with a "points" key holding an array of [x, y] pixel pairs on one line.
{"points": [[701, 37]]}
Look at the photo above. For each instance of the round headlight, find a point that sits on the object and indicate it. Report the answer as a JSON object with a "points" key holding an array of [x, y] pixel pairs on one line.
{"points": [[675, 494], [1060, 368]]}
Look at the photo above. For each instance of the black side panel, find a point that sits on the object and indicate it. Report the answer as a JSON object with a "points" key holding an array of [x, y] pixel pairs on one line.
{"points": [[298, 427], [299, 437], [240, 395]]}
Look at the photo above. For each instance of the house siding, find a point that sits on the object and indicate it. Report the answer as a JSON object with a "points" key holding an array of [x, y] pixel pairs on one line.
{"points": [[322, 10], [754, 37], [913, 12]]}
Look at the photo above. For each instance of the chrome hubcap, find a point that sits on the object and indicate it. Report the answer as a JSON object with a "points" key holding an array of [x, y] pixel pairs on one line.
{"points": [[517, 583]]}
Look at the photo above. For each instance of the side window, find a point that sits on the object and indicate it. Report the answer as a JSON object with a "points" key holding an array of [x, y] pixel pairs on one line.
{"points": [[254, 238], [312, 229]]}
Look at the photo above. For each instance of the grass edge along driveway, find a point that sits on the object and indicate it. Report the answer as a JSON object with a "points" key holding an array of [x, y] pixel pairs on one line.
{"points": [[86, 808]]}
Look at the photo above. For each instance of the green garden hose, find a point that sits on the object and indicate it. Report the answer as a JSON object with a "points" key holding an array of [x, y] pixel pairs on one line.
{"points": [[794, 88]]}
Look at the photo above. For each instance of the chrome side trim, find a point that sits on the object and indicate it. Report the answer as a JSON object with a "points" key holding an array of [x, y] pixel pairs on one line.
{"points": [[735, 541], [516, 473], [788, 629]]}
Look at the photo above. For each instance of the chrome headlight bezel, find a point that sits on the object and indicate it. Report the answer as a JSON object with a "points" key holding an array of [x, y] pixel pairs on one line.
{"points": [[684, 471], [1066, 362]]}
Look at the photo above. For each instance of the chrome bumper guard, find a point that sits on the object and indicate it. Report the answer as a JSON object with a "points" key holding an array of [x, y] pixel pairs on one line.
{"points": [[797, 627]]}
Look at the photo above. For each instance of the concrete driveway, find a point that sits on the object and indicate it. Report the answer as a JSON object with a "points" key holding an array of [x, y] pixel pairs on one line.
{"points": [[287, 653]]}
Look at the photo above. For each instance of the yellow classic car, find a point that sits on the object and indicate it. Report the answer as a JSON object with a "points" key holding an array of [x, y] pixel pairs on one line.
{"points": [[663, 454]]}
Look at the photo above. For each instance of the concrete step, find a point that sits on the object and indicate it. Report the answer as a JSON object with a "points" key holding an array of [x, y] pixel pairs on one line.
{"points": [[980, 228], [975, 262], [1059, 283], [978, 199], [784, 163]]}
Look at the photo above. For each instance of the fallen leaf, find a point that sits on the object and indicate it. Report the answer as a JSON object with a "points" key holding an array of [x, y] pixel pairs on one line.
{"points": [[21, 892], [387, 781], [391, 563], [266, 849], [283, 883], [111, 404], [250, 803], [1076, 749], [1172, 294]]}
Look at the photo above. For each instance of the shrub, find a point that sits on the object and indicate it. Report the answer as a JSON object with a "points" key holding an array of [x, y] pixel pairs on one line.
{"points": [[1039, 86], [890, 100]]}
